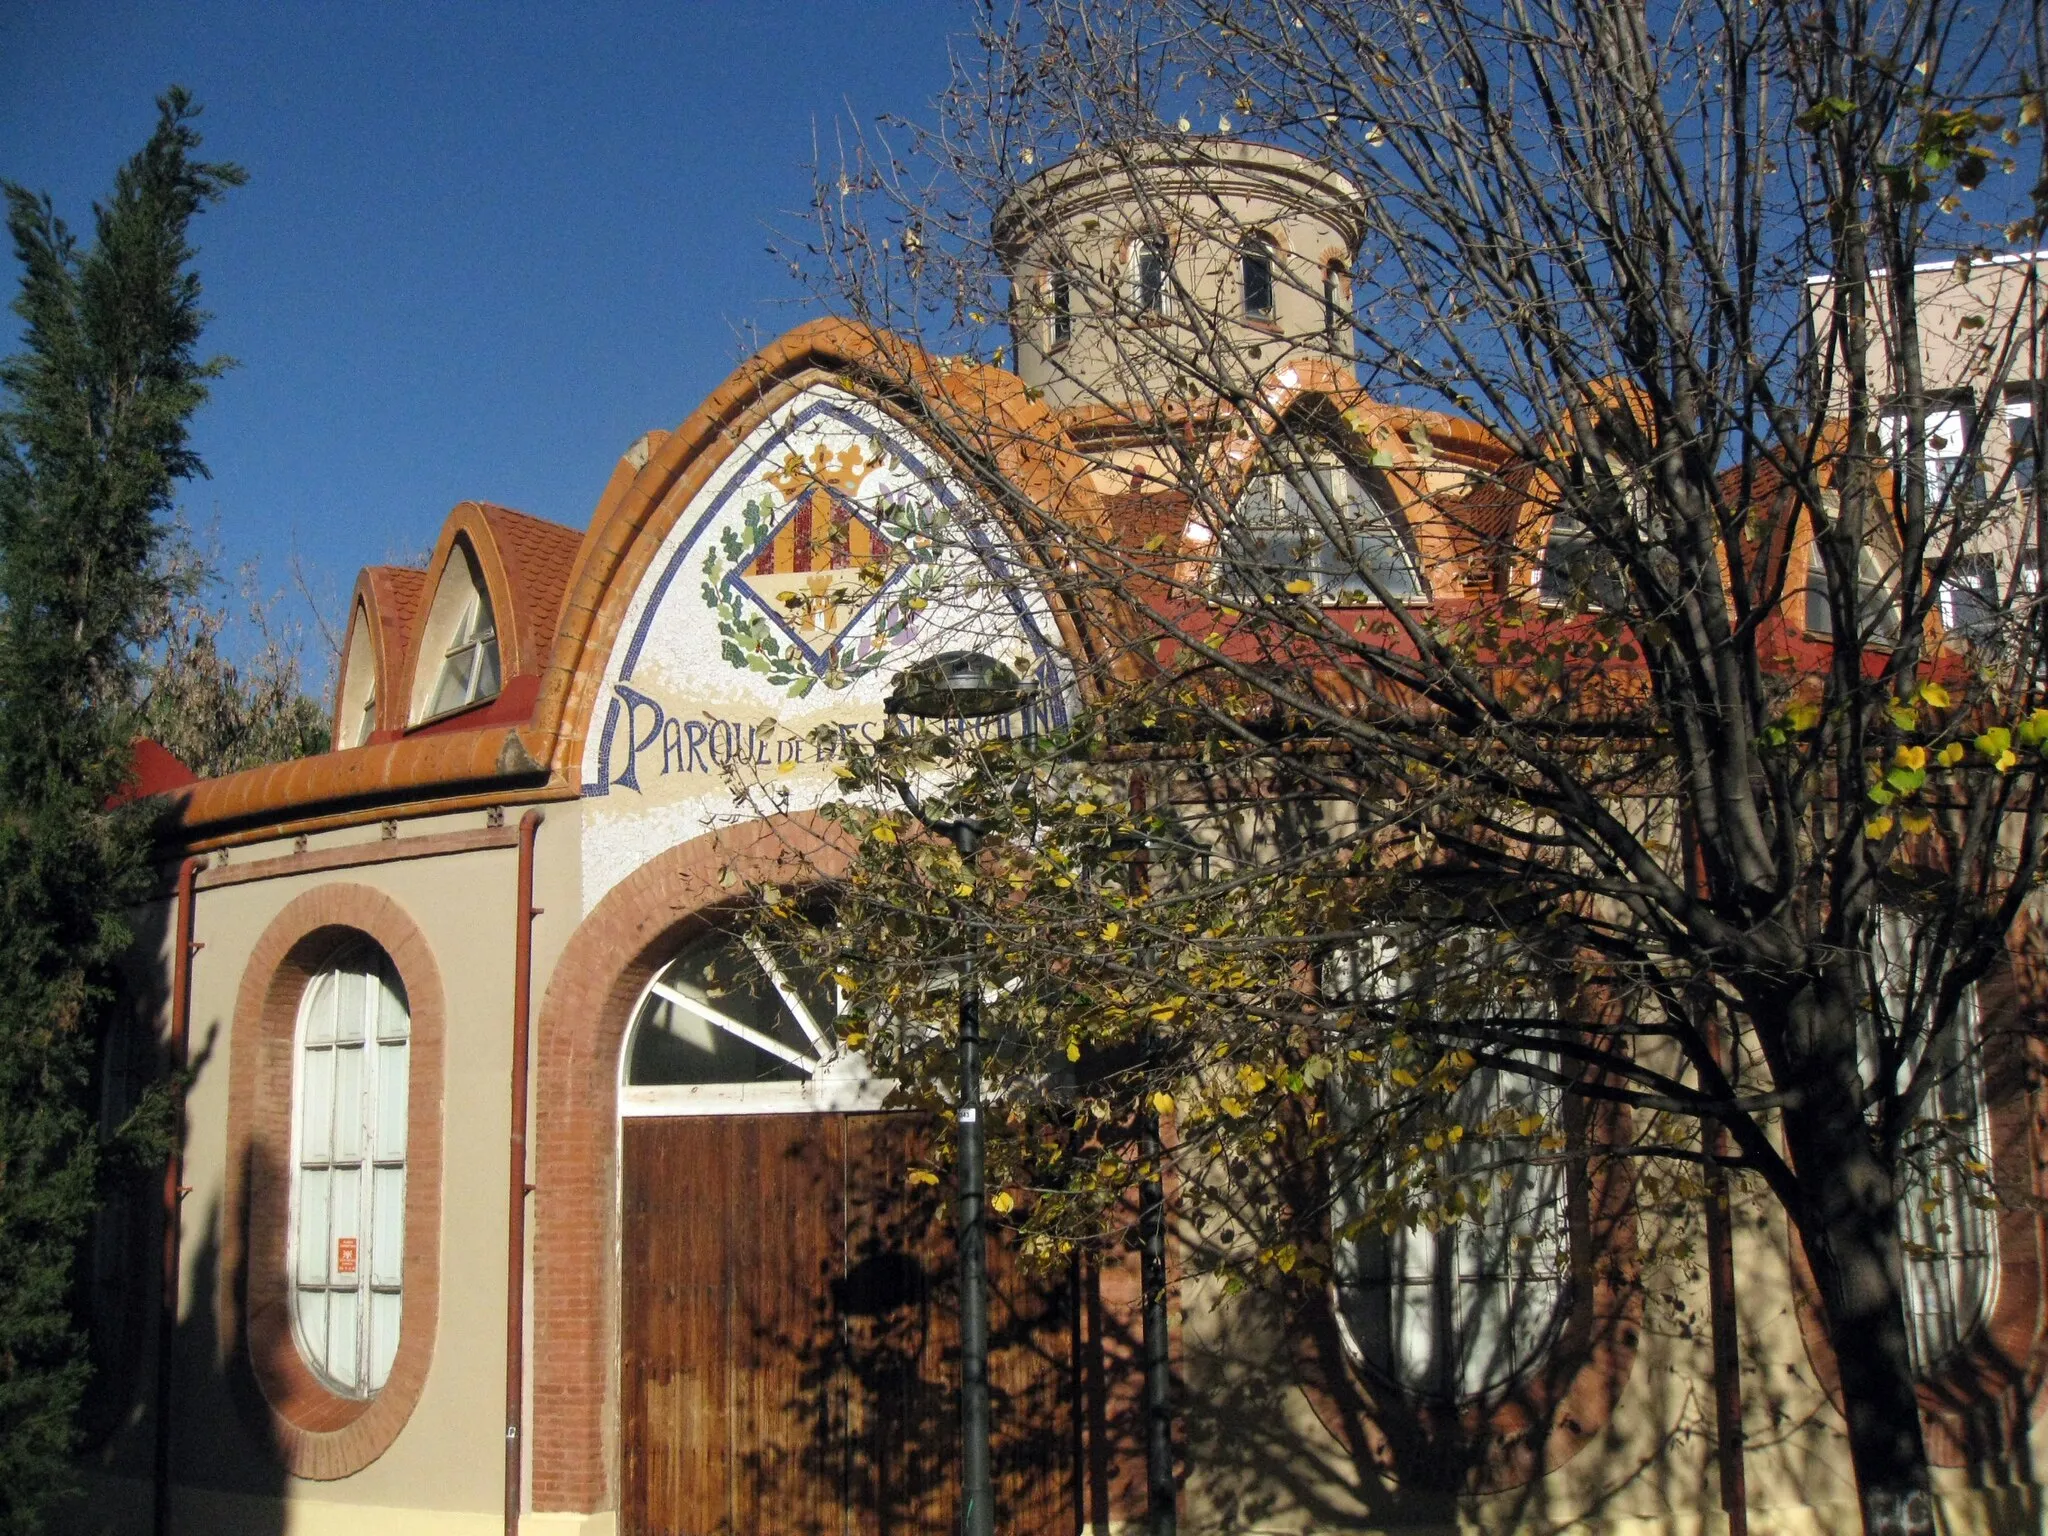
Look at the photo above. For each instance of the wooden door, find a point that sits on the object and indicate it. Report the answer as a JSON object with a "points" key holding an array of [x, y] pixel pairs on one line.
{"points": [[791, 1341]]}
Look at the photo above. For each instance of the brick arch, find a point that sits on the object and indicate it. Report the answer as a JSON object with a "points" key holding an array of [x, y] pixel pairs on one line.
{"points": [[317, 1433], [584, 1016]]}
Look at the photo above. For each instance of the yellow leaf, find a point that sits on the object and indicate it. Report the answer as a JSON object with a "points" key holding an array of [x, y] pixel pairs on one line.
{"points": [[1803, 717], [1234, 1108], [1300, 588], [1253, 1079], [1877, 827], [1911, 757], [964, 888], [1162, 1102], [1434, 1141], [1111, 930], [1001, 1202], [1404, 1077], [1934, 694], [2006, 760], [1918, 823], [1528, 1125], [1086, 808], [1073, 1050], [1061, 881], [1951, 754], [923, 1176], [883, 832], [1285, 1259]]}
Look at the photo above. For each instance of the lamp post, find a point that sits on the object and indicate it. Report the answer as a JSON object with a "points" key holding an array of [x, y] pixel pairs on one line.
{"points": [[966, 685]]}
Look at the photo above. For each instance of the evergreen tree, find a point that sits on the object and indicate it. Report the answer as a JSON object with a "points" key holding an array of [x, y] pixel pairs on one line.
{"points": [[93, 442]]}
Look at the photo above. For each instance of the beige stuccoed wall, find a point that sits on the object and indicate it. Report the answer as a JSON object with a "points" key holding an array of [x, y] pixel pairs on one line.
{"points": [[445, 1469]]}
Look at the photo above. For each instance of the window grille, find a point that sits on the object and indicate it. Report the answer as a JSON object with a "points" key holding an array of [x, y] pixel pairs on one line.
{"points": [[1460, 1307], [1319, 524], [470, 672], [347, 1244], [1950, 1239]]}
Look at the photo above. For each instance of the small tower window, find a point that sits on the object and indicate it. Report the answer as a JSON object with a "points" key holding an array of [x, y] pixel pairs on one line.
{"points": [[469, 673], [1255, 276], [1060, 296], [1148, 275], [1334, 319]]}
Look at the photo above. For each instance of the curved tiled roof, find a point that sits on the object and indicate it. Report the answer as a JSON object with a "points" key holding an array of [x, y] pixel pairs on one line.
{"points": [[538, 557]]}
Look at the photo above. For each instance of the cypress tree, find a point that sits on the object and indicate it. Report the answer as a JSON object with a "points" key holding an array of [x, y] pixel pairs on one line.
{"points": [[93, 444]]}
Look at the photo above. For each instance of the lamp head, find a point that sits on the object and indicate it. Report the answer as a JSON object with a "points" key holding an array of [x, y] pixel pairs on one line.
{"points": [[958, 684]]}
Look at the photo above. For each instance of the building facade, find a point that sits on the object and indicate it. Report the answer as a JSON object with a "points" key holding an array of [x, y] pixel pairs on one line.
{"points": [[515, 1186]]}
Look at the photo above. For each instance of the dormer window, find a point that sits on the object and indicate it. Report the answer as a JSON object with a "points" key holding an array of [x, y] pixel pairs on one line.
{"points": [[1148, 275], [1316, 531], [469, 672], [356, 713], [459, 663], [1255, 276]]}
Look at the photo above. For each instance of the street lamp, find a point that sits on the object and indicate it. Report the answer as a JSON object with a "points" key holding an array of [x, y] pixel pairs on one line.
{"points": [[966, 685]]}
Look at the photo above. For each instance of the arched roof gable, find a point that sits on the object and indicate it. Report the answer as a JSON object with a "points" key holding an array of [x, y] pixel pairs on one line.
{"points": [[944, 404], [385, 605]]}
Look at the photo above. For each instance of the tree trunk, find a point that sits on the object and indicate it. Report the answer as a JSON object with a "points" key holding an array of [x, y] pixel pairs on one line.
{"points": [[1848, 1220]]}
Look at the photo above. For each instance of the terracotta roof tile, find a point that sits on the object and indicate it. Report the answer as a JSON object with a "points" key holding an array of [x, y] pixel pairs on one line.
{"points": [[539, 557]]}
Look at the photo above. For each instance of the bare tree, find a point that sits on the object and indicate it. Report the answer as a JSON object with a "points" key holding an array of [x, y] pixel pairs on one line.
{"points": [[1627, 686]]}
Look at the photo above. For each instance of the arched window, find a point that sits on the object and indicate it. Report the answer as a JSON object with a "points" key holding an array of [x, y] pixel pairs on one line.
{"points": [[1060, 307], [1316, 530], [1255, 276], [1149, 258], [1335, 321], [458, 662], [1949, 1235], [729, 1023], [1467, 1300], [469, 670], [357, 716], [346, 1251]]}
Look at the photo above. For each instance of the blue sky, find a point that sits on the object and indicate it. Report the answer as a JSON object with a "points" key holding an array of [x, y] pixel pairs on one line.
{"points": [[482, 248]]}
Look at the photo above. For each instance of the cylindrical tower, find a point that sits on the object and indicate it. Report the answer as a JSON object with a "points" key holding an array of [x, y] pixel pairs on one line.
{"points": [[1172, 267]]}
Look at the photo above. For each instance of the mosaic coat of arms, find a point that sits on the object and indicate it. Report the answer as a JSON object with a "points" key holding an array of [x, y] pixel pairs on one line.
{"points": [[816, 583]]}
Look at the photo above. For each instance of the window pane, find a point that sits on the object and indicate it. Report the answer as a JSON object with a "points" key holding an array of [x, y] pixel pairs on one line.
{"points": [[348, 1019], [348, 1103], [316, 1105], [343, 1321], [385, 1311], [391, 1100], [310, 1313], [393, 1022], [312, 1236], [453, 690], [345, 1236], [318, 1008], [387, 1250], [1257, 267], [486, 686]]}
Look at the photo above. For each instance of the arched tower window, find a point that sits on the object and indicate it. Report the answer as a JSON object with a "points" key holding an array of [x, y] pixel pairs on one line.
{"points": [[1336, 323], [459, 661], [346, 1249], [1255, 275], [1060, 307], [1149, 258]]}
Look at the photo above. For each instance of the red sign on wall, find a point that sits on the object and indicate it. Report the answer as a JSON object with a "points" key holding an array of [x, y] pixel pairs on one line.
{"points": [[344, 1256]]}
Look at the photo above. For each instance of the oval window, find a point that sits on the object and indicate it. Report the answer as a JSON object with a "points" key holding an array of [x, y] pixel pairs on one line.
{"points": [[346, 1251]]}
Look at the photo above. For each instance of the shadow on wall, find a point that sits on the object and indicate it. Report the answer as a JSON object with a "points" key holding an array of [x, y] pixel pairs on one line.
{"points": [[219, 1441]]}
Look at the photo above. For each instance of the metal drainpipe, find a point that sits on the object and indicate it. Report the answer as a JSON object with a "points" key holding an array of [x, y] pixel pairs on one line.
{"points": [[174, 1186], [518, 1188]]}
